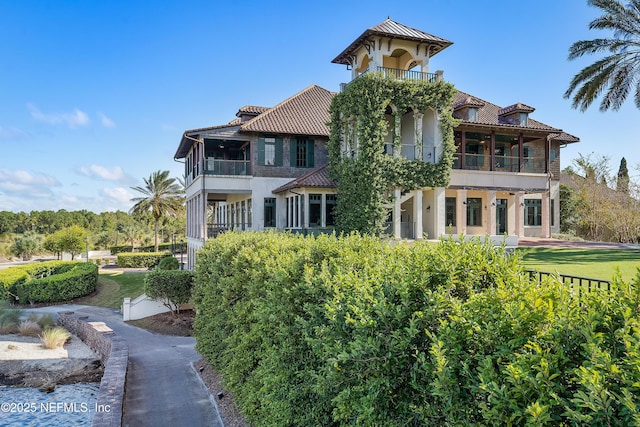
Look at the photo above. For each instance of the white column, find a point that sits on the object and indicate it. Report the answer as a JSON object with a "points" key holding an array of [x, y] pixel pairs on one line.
{"points": [[418, 211], [519, 214], [397, 137], [546, 212], [491, 212], [438, 211], [461, 212], [417, 124], [397, 230]]}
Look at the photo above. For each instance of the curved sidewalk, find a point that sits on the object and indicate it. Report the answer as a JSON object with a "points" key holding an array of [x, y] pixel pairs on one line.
{"points": [[162, 387]]}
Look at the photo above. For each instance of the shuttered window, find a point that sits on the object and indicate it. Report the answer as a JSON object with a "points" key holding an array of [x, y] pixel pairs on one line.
{"points": [[301, 153], [270, 151]]}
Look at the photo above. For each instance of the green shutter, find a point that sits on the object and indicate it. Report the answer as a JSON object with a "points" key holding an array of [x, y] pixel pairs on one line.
{"points": [[293, 147], [261, 151], [279, 149], [309, 153]]}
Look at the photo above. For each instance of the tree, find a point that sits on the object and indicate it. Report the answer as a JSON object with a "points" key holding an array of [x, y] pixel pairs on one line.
{"points": [[26, 245], [71, 240], [623, 177], [619, 72], [162, 196]]}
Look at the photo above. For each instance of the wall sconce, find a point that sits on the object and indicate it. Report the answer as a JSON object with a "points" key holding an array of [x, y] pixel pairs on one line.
{"points": [[464, 202], [521, 203], [429, 208], [493, 203]]}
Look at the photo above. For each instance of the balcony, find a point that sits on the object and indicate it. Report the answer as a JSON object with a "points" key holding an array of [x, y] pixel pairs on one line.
{"points": [[214, 166], [400, 74], [482, 162]]}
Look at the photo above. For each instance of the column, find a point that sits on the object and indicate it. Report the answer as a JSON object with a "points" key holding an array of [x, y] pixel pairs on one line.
{"points": [[491, 209], [546, 213], [461, 212], [519, 214], [417, 213], [417, 124], [397, 230], [438, 211], [397, 137]]}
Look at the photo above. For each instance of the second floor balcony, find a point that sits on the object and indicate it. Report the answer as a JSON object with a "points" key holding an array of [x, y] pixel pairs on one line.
{"points": [[213, 166], [501, 163]]}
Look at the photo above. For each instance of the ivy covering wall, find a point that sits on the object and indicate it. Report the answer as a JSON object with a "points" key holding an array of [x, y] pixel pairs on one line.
{"points": [[365, 181]]}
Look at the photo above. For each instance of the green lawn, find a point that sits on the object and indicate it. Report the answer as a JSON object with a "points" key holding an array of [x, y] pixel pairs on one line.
{"points": [[591, 263], [113, 287]]}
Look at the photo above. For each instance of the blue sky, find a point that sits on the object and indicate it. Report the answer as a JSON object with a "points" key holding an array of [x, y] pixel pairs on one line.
{"points": [[94, 96]]}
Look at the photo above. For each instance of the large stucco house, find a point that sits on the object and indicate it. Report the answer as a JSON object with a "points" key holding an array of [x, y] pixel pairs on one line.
{"points": [[267, 168]]}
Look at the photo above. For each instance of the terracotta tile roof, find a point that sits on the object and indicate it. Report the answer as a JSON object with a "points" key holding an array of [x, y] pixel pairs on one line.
{"points": [[318, 178], [305, 113], [516, 107], [469, 101], [251, 109], [489, 115], [393, 29], [564, 137]]}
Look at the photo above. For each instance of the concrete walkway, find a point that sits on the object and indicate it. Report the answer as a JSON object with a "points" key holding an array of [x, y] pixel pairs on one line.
{"points": [[556, 243], [162, 387]]}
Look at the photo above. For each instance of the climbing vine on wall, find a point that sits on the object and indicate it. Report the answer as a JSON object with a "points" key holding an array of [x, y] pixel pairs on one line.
{"points": [[366, 175]]}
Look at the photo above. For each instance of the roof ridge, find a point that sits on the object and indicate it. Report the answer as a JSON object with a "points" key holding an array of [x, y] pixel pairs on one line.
{"points": [[270, 110]]}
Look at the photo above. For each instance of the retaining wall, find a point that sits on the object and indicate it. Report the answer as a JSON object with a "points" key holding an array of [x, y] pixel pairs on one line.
{"points": [[114, 354]]}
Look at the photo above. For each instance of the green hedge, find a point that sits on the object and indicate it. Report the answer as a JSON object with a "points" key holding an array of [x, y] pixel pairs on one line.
{"points": [[52, 281], [351, 331], [140, 259], [172, 287], [128, 248]]}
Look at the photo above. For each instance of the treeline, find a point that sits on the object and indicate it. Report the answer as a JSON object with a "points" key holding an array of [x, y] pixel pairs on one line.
{"points": [[597, 205], [104, 229]]}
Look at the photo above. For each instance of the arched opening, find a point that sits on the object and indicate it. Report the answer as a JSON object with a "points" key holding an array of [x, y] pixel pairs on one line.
{"points": [[399, 59]]}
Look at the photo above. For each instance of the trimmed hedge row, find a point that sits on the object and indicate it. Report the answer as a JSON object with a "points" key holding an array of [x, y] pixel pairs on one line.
{"points": [[129, 249], [140, 259], [52, 281], [351, 331]]}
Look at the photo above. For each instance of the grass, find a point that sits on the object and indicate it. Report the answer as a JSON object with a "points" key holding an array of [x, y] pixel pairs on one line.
{"points": [[113, 287], [591, 263], [29, 328], [54, 337]]}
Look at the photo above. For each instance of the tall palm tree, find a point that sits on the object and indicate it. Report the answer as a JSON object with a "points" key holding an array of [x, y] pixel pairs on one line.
{"points": [[162, 197], [619, 72]]}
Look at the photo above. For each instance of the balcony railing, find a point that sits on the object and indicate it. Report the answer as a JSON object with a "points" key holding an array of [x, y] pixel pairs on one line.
{"points": [[406, 230], [227, 167], [214, 229], [502, 163], [400, 74]]}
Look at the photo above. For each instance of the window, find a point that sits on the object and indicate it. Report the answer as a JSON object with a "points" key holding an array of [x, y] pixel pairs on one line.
{"points": [[474, 212], [473, 114], [329, 206], [524, 119], [533, 212], [301, 154], [450, 211], [270, 151], [270, 212], [315, 210], [553, 210]]}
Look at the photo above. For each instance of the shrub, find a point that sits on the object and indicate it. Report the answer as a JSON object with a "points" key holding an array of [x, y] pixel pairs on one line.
{"points": [[29, 328], [51, 281], [9, 320], [54, 337], [141, 259], [351, 331], [168, 263], [172, 287]]}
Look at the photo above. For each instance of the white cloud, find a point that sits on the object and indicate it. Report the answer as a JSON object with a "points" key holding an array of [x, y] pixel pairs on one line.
{"points": [[24, 182], [106, 121], [110, 174], [119, 194], [73, 119], [12, 133]]}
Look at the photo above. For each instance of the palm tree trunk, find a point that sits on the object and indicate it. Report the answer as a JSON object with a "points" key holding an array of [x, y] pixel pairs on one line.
{"points": [[155, 246]]}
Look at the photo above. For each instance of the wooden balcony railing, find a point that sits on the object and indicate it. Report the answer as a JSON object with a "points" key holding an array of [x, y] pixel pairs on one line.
{"points": [[502, 163]]}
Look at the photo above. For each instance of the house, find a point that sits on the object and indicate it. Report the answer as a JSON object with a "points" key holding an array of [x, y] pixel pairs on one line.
{"points": [[267, 168]]}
